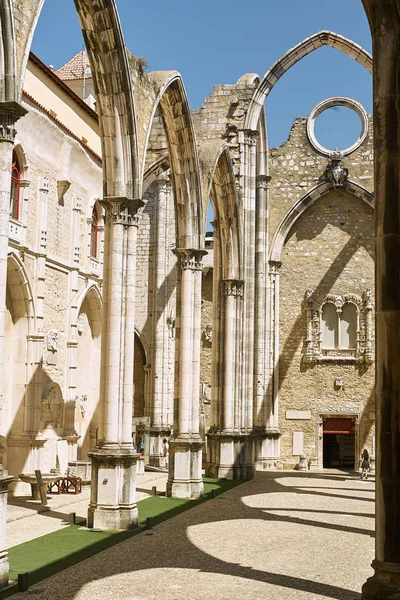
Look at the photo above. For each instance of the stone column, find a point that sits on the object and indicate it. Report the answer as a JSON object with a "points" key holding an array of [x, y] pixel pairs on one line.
{"points": [[185, 477], [226, 456], [10, 112], [113, 491], [247, 142], [159, 427], [385, 27], [265, 433]]}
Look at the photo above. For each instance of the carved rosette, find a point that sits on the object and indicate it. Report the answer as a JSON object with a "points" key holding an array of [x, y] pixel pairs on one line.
{"points": [[313, 351]]}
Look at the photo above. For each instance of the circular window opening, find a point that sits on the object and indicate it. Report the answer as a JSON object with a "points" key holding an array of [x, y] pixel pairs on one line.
{"points": [[335, 121], [338, 127]]}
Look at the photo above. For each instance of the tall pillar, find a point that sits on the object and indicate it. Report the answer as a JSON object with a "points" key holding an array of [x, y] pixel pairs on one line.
{"points": [[185, 469], [227, 459], [159, 427], [10, 112], [265, 421], [113, 491], [247, 142], [385, 27]]}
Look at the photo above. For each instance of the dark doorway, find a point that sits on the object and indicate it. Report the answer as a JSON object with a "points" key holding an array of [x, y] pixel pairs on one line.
{"points": [[338, 443]]}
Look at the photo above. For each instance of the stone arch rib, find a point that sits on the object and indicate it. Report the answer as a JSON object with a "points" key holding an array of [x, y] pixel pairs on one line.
{"points": [[105, 45], [19, 286], [185, 172], [218, 181], [292, 56], [305, 202]]}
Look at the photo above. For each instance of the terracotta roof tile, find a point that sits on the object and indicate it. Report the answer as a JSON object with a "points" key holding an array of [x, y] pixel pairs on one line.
{"points": [[74, 69]]}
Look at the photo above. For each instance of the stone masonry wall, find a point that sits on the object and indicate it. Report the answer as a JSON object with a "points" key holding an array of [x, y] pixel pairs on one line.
{"points": [[330, 249]]}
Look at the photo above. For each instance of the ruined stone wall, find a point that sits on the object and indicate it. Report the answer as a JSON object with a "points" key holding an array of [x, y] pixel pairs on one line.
{"points": [[330, 249], [295, 168]]}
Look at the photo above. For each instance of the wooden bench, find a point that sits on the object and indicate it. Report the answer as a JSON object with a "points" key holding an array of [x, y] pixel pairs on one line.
{"points": [[65, 485]]}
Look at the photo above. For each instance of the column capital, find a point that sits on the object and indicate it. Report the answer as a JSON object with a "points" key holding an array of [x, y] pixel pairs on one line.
{"points": [[275, 267], [190, 258], [248, 136], [122, 210], [233, 287], [262, 181], [10, 112]]}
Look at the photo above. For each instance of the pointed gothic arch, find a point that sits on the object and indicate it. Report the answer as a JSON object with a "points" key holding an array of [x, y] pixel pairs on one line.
{"points": [[305, 202], [218, 181], [292, 56], [20, 289], [174, 108]]}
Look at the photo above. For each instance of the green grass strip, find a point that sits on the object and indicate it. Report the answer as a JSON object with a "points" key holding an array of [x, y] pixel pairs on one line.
{"points": [[54, 552]]}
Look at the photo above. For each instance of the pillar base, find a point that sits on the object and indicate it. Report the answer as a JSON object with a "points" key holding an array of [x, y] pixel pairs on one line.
{"points": [[230, 456], [385, 584], [113, 488], [266, 448], [185, 470], [156, 456]]}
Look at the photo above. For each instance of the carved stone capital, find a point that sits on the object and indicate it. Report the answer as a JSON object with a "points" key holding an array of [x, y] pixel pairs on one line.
{"points": [[262, 182], [274, 267], [248, 136], [190, 258], [10, 112], [233, 287], [121, 210]]}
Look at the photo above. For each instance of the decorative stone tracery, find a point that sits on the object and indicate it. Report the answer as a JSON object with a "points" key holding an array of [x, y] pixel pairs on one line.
{"points": [[314, 351]]}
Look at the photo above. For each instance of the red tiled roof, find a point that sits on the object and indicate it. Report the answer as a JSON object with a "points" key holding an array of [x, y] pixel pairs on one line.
{"points": [[75, 68]]}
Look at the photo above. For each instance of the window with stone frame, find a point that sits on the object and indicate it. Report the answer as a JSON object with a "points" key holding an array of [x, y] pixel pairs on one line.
{"points": [[15, 188], [339, 327]]}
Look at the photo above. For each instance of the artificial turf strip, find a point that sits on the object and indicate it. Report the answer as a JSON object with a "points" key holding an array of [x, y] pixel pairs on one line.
{"points": [[51, 553]]}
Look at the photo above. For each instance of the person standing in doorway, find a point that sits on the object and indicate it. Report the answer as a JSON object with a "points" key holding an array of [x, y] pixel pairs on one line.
{"points": [[165, 452], [365, 466]]}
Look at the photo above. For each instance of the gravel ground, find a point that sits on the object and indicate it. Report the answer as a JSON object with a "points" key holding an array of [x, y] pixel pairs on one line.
{"points": [[283, 536]]}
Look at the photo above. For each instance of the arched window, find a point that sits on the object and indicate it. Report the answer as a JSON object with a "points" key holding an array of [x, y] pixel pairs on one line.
{"points": [[94, 232], [348, 326], [339, 327], [15, 187], [329, 326]]}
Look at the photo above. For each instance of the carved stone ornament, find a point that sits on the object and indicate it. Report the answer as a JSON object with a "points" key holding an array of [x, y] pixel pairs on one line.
{"points": [[51, 407], [83, 402], [313, 349], [208, 333], [53, 337], [79, 323], [334, 172]]}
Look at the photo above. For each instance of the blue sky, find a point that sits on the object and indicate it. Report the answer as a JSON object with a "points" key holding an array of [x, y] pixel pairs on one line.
{"points": [[216, 41]]}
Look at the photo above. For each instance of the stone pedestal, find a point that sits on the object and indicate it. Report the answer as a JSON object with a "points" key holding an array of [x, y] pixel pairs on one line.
{"points": [[302, 464], [156, 435], [185, 468], [5, 480], [230, 456], [266, 448], [113, 491]]}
